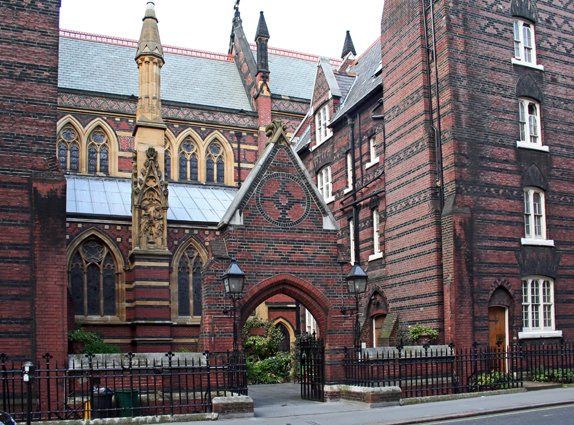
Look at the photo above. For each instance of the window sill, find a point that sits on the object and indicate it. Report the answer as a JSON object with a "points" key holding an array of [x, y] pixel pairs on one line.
{"points": [[539, 242], [527, 145], [526, 64], [376, 256], [371, 163], [329, 200], [539, 334], [347, 190], [317, 144]]}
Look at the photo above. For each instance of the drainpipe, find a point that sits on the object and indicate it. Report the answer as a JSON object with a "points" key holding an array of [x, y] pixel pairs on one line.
{"points": [[437, 130], [356, 207]]}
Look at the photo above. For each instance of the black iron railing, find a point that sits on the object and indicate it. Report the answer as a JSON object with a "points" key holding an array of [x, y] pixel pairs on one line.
{"points": [[98, 386], [549, 362], [435, 370]]}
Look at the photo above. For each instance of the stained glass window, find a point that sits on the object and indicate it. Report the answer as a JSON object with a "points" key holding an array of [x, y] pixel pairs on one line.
{"points": [[93, 280], [189, 284], [215, 164], [68, 149], [188, 160], [98, 152]]}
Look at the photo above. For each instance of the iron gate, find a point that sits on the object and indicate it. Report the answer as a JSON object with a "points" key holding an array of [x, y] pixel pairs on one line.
{"points": [[311, 357]]}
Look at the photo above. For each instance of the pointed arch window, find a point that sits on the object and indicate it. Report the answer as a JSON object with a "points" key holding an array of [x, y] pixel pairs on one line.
{"points": [[98, 146], [188, 160], [215, 163], [189, 284], [93, 280], [69, 149]]}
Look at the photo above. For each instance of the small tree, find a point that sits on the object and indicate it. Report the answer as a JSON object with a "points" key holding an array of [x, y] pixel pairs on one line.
{"points": [[265, 363]]}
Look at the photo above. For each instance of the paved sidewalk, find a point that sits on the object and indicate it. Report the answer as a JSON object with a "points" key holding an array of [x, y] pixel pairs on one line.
{"points": [[282, 405]]}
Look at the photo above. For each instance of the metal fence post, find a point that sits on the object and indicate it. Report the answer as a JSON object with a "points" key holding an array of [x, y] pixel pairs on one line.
{"points": [[27, 371]]}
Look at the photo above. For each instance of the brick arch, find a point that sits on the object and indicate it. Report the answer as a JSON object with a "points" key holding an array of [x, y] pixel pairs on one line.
{"points": [[312, 298]]}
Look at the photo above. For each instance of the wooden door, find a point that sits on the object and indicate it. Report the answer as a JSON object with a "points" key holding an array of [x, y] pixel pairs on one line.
{"points": [[497, 338], [497, 327]]}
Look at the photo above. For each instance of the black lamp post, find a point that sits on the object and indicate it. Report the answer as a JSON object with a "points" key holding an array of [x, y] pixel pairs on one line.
{"points": [[233, 281], [357, 281]]}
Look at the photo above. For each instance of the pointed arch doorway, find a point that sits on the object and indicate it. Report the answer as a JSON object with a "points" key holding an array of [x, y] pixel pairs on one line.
{"points": [[498, 313], [310, 352]]}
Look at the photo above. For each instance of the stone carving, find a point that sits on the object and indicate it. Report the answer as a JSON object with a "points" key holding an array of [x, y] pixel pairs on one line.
{"points": [[150, 200]]}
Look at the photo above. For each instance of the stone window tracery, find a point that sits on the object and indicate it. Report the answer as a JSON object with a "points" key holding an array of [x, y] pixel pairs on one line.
{"points": [[188, 161], [93, 280], [215, 163], [189, 284], [98, 147], [69, 149]]}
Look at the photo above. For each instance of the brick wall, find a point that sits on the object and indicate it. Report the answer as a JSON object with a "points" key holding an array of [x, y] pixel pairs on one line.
{"points": [[32, 251]]}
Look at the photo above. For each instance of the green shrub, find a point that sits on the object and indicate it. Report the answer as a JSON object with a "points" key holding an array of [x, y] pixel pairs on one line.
{"points": [[552, 375], [493, 380], [272, 370], [265, 363], [92, 341], [417, 331]]}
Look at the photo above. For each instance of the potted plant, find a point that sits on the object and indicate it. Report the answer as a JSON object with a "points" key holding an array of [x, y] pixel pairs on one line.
{"points": [[422, 334]]}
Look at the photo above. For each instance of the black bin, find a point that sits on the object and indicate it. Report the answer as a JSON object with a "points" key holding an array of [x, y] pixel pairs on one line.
{"points": [[102, 406]]}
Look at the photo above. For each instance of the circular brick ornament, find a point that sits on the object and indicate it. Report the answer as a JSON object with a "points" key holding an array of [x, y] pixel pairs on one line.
{"points": [[283, 200]]}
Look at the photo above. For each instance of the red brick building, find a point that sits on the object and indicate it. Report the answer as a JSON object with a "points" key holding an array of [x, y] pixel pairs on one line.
{"points": [[461, 171], [444, 142]]}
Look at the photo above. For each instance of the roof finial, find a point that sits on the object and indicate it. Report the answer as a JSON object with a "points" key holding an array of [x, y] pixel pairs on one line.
{"points": [[262, 30], [236, 7], [348, 46]]}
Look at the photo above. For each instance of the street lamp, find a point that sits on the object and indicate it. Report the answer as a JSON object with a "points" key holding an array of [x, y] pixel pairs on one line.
{"points": [[233, 281], [357, 280]]}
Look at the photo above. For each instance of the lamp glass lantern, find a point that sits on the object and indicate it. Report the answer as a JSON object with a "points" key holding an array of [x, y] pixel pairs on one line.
{"points": [[357, 280], [233, 279]]}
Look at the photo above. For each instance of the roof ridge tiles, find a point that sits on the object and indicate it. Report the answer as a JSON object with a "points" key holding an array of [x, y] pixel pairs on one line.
{"points": [[184, 51]]}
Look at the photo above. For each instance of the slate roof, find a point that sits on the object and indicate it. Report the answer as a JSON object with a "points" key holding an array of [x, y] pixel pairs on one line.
{"points": [[111, 68], [91, 195], [304, 140], [291, 77], [344, 81], [366, 81], [106, 67]]}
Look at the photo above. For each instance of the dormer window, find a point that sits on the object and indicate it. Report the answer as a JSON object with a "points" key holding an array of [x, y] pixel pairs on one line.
{"points": [[322, 121]]}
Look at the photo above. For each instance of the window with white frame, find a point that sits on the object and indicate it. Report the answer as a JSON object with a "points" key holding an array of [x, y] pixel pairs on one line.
{"points": [[524, 45], [322, 120], [324, 183], [377, 253], [535, 217], [373, 158], [349, 160], [529, 123], [537, 304], [352, 240]]}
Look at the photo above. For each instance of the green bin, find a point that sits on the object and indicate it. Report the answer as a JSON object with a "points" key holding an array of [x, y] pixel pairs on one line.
{"points": [[127, 402]]}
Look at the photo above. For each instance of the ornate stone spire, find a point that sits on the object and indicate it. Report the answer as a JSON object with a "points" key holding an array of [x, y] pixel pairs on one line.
{"points": [[149, 57], [348, 46], [149, 42], [261, 39]]}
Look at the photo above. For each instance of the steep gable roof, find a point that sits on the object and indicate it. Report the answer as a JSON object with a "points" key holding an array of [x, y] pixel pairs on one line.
{"points": [[283, 189], [103, 64], [367, 79]]}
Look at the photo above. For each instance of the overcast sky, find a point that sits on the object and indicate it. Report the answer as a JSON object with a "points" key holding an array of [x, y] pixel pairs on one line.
{"points": [[308, 26]]}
